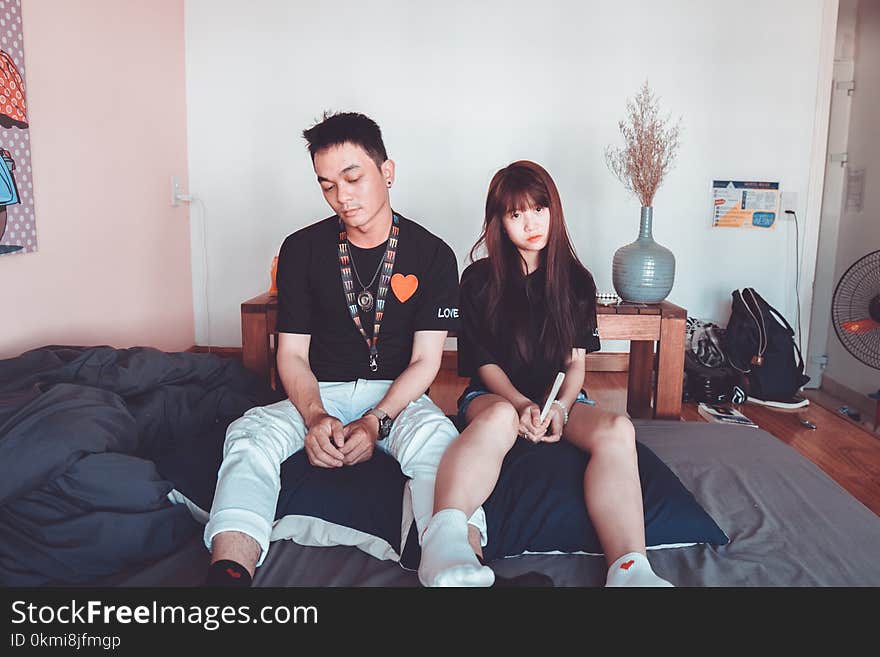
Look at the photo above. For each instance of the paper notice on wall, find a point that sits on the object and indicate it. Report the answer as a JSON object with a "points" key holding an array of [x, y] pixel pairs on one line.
{"points": [[855, 190], [744, 204]]}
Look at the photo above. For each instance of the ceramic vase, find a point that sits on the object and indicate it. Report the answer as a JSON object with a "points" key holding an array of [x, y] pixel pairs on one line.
{"points": [[643, 271]]}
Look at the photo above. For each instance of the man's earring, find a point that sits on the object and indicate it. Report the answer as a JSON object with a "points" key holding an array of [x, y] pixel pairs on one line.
{"points": [[389, 183]]}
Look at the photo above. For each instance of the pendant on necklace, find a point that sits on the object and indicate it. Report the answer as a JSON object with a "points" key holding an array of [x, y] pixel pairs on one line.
{"points": [[365, 300]]}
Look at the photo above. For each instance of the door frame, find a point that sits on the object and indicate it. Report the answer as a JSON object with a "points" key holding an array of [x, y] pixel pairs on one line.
{"points": [[816, 184]]}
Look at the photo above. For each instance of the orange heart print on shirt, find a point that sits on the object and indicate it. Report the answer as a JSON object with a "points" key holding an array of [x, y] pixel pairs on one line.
{"points": [[404, 286]]}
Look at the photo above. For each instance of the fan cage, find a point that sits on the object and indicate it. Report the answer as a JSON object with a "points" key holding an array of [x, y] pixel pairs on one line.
{"points": [[855, 291]]}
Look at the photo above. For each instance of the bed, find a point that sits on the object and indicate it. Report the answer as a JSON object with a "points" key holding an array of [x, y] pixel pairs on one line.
{"points": [[788, 523]]}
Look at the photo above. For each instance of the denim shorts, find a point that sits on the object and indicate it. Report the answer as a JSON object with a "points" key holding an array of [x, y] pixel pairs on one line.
{"points": [[472, 393]]}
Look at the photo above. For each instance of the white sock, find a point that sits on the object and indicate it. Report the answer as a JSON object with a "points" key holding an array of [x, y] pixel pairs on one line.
{"points": [[633, 569], [447, 557]]}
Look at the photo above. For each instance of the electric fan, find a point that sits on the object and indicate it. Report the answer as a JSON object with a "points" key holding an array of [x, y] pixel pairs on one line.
{"points": [[855, 309]]}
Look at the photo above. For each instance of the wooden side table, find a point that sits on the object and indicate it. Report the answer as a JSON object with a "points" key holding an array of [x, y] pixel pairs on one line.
{"points": [[258, 318], [644, 325]]}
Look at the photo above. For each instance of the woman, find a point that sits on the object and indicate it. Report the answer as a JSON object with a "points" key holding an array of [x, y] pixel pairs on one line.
{"points": [[528, 311]]}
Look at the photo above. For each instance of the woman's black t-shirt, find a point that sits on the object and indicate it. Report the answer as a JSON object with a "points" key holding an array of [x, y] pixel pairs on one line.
{"points": [[477, 346]]}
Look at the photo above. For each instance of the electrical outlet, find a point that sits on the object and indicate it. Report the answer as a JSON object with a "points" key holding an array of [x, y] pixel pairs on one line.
{"points": [[789, 201], [175, 191]]}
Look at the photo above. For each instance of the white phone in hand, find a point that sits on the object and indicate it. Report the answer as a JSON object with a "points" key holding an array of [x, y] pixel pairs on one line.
{"points": [[557, 384]]}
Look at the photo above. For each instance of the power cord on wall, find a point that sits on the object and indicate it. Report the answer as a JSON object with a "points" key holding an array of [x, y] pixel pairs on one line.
{"points": [[188, 198], [797, 274], [206, 270]]}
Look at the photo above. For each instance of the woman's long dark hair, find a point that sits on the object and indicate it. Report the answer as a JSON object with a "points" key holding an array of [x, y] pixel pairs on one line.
{"points": [[520, 186]]}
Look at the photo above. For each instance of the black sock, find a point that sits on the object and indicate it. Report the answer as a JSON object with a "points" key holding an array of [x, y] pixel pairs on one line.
{"points": [[529, 579], [228, 574]]}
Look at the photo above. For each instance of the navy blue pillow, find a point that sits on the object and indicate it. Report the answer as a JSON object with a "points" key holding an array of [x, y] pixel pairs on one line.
{"points": [[538, 504], [319, 506]]}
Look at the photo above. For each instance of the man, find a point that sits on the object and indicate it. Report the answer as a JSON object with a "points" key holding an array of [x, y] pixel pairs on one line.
{"points": [[365, 300]]}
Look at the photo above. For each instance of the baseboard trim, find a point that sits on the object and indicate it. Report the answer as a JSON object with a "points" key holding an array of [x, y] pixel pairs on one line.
{"points": [[846, 394], [223, 352]]}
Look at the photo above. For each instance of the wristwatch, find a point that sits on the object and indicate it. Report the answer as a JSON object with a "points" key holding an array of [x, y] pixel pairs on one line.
{"points": [[385, 422]]}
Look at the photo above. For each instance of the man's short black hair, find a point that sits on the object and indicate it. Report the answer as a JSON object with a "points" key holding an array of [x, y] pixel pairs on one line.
{"points": [[351, 127]]}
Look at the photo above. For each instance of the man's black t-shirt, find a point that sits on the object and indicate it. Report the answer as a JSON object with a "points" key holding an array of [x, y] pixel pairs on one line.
{"points": [[423, 297], [477, 346]]}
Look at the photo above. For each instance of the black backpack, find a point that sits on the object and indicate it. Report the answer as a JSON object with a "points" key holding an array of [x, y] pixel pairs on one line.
{"points": [[760, 344]]}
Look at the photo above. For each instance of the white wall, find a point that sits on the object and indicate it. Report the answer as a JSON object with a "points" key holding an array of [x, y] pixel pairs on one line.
{"points": [[859, 232], [463, 88]]}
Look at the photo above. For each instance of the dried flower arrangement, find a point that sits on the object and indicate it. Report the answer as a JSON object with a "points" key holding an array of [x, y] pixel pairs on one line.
{"points": [[651, 143]]}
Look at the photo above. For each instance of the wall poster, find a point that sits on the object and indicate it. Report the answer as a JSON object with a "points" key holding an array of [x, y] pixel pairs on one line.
{"points": [[18, 230]]}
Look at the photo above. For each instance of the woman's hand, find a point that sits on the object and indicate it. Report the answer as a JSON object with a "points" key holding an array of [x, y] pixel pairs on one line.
{"points": [[557, 423], [530, 425]]}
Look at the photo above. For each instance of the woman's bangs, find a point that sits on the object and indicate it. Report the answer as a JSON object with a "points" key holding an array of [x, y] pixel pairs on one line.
{"points": [[519, 194]]}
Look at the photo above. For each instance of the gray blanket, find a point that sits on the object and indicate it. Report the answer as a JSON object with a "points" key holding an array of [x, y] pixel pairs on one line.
{"points": [[83, 436]]}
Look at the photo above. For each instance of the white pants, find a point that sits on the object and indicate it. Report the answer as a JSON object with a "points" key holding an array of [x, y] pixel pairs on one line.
{"points": [[249, 480]]}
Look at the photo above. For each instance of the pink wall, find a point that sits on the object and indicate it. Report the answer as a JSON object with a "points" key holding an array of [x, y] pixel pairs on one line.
{"points": [[106, 101]]}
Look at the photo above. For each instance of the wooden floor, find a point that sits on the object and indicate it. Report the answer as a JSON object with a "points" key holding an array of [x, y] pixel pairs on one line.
{"points": [[848, 454]]}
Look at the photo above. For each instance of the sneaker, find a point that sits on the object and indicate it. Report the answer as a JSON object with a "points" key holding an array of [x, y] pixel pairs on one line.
{"points": [[795, 402]]}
